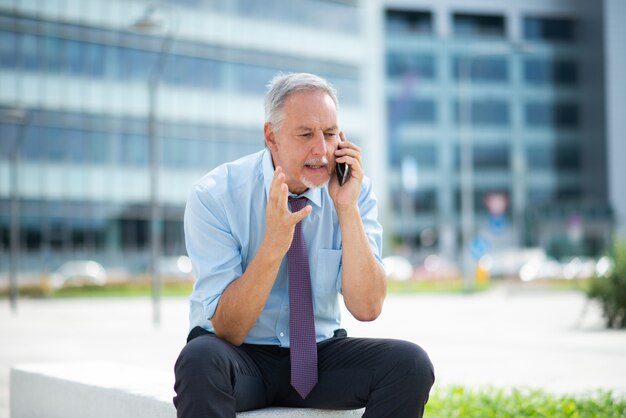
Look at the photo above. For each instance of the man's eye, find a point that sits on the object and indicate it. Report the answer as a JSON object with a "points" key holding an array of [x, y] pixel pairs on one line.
{"points": [[305, 135], [330, 134]]}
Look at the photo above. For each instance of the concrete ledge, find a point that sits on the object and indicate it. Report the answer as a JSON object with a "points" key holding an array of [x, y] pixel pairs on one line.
{"points": [[101, 390]]}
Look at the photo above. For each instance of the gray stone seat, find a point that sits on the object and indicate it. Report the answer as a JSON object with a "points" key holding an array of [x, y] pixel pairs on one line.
{"points": [[99, 390]]}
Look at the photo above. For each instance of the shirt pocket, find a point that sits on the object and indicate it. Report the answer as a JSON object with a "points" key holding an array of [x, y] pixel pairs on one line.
{"points": [[327, 282]]}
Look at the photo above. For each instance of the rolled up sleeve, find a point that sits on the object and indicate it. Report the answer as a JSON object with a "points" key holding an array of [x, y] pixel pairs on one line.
{"points": [[214, 251], [368, 208]]}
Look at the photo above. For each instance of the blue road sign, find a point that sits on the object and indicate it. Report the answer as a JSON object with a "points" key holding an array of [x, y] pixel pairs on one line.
{"points": [[479, 247]]}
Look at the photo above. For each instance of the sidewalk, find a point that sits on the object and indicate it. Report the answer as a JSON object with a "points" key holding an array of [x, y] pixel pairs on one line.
{"points": [[503, 337]]}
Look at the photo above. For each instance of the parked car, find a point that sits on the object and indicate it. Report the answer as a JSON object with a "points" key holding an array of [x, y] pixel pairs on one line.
{"points": [[78, 273], [398, 268], [540, 269], [176, 268]]}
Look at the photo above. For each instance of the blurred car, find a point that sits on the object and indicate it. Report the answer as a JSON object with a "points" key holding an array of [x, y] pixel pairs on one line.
{"points": [[541, 269], [578, 268], [176, 268], [78, 273], [437, 267], [398, 268]]}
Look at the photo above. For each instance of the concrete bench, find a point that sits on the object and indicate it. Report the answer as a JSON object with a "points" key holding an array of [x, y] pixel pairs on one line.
{"points": [[100, 390]]}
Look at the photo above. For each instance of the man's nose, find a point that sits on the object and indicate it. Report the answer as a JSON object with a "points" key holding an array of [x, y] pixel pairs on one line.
{"points": [[319, 145]]}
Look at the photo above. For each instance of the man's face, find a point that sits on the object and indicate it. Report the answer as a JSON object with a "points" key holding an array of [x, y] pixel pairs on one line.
{"points": [[305, 144]]}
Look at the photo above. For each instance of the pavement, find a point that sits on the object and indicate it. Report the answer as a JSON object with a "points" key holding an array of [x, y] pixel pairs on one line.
{"points": [[509, 336]]}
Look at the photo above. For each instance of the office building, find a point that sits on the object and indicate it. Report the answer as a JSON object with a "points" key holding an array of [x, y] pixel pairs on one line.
{"points": [[496, 124], [81, 78]]}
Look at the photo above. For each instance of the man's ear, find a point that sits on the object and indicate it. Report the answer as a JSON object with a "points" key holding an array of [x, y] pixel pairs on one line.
{"points": [[270, 136]]}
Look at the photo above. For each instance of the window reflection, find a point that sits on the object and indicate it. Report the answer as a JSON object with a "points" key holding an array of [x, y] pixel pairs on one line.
{"points": [[555, 115], [549, 29], [466, 24], [421, 66], [409, 22], [493, 112], [550, 72], [135, 60], [412, 110], [554, 157], [484, 69]]}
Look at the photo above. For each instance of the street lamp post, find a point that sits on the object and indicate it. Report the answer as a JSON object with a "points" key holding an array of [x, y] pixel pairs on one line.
{"points": [[22, 117], [466, 171], [149, 22]]}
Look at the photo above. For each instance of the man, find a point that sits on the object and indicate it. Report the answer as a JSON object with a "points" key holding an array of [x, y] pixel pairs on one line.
{"points": [[265, 316]]}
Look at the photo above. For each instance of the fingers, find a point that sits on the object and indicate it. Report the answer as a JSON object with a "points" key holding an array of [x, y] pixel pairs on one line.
{"points": [[301, 214], [277, 180], [279, 197], [279, 189], [346, 148]]}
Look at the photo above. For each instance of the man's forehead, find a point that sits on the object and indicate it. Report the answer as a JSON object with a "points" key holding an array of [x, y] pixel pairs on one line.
{"points": [[312, 128]]}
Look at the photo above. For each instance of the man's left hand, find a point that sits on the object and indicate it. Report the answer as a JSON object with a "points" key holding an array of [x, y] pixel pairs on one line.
{"points": [[347, 196]]}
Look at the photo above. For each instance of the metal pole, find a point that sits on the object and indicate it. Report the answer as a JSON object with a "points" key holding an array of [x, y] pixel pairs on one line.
{"points": [[155, 212], [14, 236], [466, 173], [15, 227], [156, 226]]}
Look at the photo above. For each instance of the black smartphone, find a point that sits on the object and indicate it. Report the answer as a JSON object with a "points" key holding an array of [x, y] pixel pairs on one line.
{"points": [[343, 173]]}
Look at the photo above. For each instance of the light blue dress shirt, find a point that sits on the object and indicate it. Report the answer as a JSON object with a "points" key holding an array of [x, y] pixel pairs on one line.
{"points": [[224, 227]]}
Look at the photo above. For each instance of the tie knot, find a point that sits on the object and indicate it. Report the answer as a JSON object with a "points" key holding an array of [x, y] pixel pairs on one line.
{"points": [[297, 203]]}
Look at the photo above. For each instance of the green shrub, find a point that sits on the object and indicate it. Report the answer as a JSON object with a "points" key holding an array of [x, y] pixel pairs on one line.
{"points": [[610, 290], [461, 402]]}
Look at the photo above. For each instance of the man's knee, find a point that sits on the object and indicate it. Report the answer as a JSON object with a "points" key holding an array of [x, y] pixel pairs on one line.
{"points": [[203, 359], [413, 364]]}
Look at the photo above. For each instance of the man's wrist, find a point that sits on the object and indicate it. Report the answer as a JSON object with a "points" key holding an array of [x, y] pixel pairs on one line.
{"points": [[348, 212], [270, 252]]}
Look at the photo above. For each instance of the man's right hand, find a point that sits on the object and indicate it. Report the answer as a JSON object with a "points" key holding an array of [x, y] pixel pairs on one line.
{"points": [[243, 300], [279, 221]]}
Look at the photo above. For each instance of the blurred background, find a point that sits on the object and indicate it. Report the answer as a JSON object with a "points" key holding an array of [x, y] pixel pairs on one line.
{"points": [[491, 129]]}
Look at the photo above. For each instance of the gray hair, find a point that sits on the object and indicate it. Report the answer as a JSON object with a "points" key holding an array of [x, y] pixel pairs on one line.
{"points": [[282, 85]]}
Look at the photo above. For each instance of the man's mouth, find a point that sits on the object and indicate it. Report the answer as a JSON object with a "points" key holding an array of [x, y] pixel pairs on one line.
{"points": [[316, 164]]}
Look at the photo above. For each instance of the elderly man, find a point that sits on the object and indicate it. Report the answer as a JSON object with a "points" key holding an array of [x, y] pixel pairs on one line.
{"points": [[274, 239]]}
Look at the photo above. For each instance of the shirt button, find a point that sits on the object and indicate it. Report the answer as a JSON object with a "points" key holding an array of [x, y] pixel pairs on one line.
{"points": [[282, 334], [286, 308]]}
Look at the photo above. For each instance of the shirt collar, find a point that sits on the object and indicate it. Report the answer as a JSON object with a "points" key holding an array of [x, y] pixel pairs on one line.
{"points": [[314, 195]]}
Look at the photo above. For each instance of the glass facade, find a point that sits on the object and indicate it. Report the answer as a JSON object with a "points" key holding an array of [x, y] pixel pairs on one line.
{"points": [[520, 107], [84, 173]]}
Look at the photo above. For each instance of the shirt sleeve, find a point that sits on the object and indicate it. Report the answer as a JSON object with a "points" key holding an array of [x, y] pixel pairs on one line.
{"points": [[368, 207], [213, 250]]}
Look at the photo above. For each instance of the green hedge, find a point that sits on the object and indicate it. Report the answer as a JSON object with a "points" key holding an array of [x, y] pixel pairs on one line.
{"points": [[461, 402], [610, 290]]}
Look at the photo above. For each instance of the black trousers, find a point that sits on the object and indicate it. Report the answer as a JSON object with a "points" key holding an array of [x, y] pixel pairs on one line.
{"points": [[390, 378]]}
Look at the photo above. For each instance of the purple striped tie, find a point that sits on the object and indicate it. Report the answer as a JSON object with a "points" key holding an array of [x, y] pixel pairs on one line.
{"points": [[303, 348]]}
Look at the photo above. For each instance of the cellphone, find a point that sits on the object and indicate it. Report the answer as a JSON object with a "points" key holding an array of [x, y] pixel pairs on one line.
{"points": [[343, 169], [343, 173]]}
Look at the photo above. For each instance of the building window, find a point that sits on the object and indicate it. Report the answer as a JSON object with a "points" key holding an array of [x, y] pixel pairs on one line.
{"points": [[553, 115], [198, 66], [405, 21], [410, 110], [490, 112], [563, 157], [402, 64], [481, 69], [425, 155], [480, 196], [545, 72], [8, 49], [421, 201], [478, 25], [549, 29], [487, 157]]}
